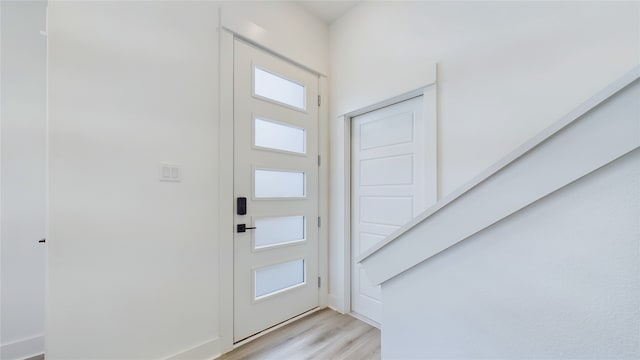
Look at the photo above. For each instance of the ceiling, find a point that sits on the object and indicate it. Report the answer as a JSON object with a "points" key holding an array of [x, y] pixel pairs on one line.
{"points": [[328, 10]]}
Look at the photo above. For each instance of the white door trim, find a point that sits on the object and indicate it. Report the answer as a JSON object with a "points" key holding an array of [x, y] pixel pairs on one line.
{"points": [[226, 204], [429, 97]]}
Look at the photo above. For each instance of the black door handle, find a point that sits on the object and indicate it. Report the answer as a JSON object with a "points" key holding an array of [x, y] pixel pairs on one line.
{"points": [[42, 240], [243, 228]]}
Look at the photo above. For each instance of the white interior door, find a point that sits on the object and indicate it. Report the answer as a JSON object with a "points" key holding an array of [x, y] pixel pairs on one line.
{"points": [[389, 186], [276, 171]]}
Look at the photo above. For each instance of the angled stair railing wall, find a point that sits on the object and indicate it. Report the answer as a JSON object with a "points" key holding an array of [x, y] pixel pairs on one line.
{"points": [[581, 142]]}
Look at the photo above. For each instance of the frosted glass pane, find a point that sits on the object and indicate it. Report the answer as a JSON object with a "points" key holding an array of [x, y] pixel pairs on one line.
{"points": [[279, 89], [278, 230], [279, 277], [273, 135], [279, 183]]}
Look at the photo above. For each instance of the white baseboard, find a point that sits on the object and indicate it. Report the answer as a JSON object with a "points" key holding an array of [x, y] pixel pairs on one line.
{"points": [[336, 304], [23, 349], [207, 351], [365, 319]]}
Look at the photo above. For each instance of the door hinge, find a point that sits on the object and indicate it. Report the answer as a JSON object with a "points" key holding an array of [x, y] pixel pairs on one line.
{"points": [[319, 222], [319, 282], [318, 160], [319, 100]]}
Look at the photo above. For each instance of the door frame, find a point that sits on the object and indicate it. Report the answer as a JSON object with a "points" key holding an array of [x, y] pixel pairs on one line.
{"points": [[225, 186], [429, 101]]}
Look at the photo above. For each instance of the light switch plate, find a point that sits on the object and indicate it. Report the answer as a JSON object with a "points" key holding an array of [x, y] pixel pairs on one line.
{"points": [[170, 172]]}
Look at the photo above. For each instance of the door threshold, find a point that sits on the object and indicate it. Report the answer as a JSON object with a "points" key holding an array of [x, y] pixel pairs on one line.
{"points": [[276, 327]]}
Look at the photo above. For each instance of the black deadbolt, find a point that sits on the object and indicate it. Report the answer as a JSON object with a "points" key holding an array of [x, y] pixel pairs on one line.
{"points": [[241, 206]]}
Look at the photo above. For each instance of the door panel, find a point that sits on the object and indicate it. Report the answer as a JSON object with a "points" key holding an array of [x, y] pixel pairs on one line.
{"points": [[276, 170], [388, 186]]}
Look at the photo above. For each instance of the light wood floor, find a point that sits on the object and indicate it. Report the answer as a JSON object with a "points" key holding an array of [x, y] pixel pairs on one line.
{"points": [[324, 335]]}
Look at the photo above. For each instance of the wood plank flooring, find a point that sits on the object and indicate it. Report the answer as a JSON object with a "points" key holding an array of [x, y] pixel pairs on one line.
{"points": [[323, 335]]}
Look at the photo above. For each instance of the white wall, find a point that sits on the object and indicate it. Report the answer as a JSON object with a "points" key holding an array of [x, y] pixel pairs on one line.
{"points": [[282, 27], [134, 263], [23, 115], [132, 260], [506, 70], [558, 280]]}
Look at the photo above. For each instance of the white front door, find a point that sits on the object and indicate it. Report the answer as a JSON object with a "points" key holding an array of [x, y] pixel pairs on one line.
{"points": [[276, 190], [389, 186]]}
